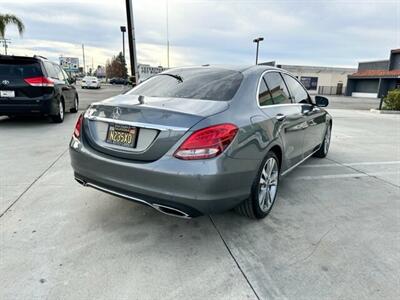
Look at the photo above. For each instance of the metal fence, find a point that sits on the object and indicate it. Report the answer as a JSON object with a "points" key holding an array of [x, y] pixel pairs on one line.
{"points": [[331, 90]]}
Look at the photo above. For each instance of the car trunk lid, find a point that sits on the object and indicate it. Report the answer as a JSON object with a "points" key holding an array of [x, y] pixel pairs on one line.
{"points": [[156, 123], [13, 72]]}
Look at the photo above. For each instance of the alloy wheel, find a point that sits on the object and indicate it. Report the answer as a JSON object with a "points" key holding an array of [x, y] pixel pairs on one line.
{"points": [[327, 139], [268, 184], [61, 110]]}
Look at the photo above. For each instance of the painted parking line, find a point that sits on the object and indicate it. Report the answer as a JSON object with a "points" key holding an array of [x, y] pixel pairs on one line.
{"points": [[366, 163], [347, 175]]}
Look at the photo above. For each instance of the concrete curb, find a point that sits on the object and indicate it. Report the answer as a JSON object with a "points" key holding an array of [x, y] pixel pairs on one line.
{"points": [[388, 112]]}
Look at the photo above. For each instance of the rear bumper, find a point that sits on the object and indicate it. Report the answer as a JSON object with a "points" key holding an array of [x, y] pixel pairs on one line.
{"points": [[27, 106], [193, 187], [90, 85]]}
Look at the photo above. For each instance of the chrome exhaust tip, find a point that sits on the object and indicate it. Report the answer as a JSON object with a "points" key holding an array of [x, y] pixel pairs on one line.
{"points": [[80, 181], [167, 210], [170, 211]]}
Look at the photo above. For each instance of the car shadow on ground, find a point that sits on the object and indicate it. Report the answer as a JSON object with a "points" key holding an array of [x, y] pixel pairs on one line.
{"points": [[18, 121]]}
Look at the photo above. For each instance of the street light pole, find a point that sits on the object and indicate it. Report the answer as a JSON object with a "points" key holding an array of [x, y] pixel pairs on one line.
{"points": [[131, 40], [123, 30], [84, 62], [257, 41], [5, 42], [167, 34]]}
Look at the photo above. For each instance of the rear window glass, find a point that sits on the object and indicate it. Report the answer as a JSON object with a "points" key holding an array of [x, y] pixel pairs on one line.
{"points": [[195, 83], [19, 69]]}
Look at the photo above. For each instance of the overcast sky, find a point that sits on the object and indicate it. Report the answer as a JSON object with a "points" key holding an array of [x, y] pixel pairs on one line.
{"points": [[325, 33]]}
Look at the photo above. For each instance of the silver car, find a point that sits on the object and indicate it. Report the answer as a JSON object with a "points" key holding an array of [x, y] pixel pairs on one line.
{"points": [[200, 140]]}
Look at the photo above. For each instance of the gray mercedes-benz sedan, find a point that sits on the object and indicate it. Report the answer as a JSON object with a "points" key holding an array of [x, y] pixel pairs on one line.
{"points": [[200, 140]]}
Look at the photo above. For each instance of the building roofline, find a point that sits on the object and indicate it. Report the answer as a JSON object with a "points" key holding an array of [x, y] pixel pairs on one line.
{"points": [[371, 61], [320, 68]]}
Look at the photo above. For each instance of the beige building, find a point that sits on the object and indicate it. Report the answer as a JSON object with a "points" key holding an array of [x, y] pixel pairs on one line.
{"points": [[145, 71], [321, 80]]}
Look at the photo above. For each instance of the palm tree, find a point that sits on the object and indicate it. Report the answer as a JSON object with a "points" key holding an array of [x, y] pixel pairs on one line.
{"points": [[6, 19]]}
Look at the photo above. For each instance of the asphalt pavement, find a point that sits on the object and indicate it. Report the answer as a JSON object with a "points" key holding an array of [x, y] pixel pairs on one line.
{"points": [[332, 234]]}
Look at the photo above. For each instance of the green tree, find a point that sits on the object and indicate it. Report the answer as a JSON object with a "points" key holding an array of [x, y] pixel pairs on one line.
{"points": [[116, 67], [7, 19]]}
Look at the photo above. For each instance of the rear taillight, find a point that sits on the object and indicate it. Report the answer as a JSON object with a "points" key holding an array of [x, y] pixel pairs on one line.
{"points": [[207, 142], [78, 127], [39, 81]]}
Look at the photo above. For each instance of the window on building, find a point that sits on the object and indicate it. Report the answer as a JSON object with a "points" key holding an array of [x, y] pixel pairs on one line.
{"points": [[277, 87], [310, 83], [298, 93]]}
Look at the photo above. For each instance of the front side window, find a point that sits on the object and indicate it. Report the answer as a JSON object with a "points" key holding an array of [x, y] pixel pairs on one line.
{"points": [[64, 73], [195, 83], [277, 87], [299, 95], [264, 96]]}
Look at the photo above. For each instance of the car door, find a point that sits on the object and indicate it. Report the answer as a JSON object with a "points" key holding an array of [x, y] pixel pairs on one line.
{"points": [[275, 101], [66, 88], [315, 117], [69, 83]]}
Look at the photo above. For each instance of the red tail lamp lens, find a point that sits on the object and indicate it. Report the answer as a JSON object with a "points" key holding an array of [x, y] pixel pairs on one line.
{"points": [[78, 127], [207, 142]]}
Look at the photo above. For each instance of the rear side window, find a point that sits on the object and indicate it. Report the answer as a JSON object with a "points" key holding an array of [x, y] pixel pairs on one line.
{"points": [[264, 96], [277, 87], [299, 95], [51, 71], [19, 69], [60, 75], [195, 83]]}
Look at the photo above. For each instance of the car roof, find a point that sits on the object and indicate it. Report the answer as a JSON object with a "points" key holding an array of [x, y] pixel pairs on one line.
{"points": [[237, 68], [37, 57]]}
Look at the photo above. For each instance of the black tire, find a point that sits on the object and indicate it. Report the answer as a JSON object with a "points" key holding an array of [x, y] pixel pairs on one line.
{"points": [[323, 150], [59, 116], [75, 108], [251, 207]]}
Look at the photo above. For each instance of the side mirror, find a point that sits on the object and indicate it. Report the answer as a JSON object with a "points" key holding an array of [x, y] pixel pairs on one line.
{"points": [[321, 101], [72, 80]]}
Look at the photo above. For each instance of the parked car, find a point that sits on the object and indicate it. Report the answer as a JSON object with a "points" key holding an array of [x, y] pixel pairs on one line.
{"points": [[116, 80], [90, 82], [201, 140], [35, 85]]}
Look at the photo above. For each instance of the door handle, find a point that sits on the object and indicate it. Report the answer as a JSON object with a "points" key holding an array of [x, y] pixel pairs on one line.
{"points": [[280, 117]]}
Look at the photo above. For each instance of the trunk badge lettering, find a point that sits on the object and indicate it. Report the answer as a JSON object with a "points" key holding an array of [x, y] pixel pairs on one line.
{"points": [[5, 82]]}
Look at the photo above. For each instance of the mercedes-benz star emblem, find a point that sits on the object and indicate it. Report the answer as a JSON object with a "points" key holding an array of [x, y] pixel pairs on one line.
{"points": [[5, 82], [116, 113]]}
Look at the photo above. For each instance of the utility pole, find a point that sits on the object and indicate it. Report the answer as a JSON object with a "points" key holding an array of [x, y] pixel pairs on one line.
{"points": [[84, 62], [5, 42], [257, 40], [167, 36], [123, 30], [131, 40]]}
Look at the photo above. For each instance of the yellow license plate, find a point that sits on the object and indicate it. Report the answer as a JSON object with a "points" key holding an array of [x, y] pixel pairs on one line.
{"points": [[121, 135]]}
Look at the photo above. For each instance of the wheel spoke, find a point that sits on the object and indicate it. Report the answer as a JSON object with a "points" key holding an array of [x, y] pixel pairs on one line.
{"points": [[261, 197], [264, 173], [268, 200]]}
